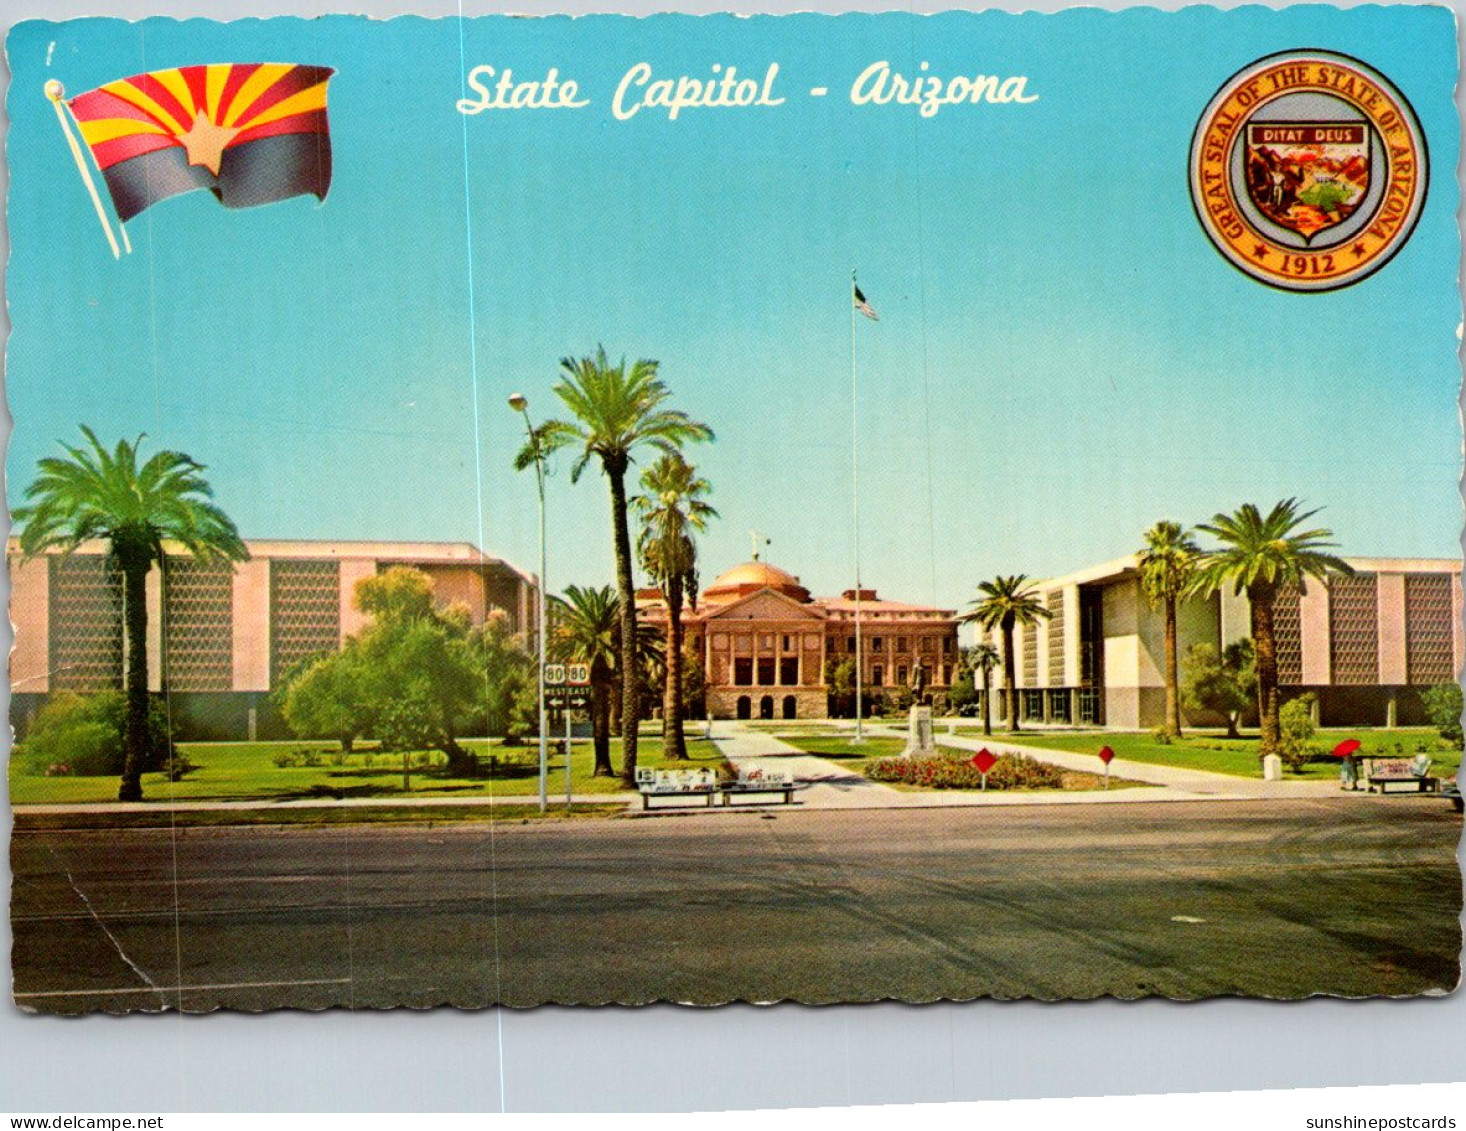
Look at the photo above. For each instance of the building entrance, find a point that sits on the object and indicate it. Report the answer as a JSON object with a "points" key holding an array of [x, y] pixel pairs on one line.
{"points": [[766, 707]]}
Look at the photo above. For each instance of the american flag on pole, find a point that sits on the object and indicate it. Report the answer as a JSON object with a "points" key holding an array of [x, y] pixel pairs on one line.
{"points": [[863, 306]]}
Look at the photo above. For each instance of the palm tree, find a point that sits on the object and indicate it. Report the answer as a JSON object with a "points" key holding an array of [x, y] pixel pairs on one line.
{"points": [[583, 629], [984, 658], [615, 412], [671, 511], [97, 494], [1258, 555], [1004, 603], [1167, 564]]}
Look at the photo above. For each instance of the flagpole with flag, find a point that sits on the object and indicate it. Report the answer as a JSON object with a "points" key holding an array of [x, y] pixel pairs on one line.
{"points": [[857, 303]]}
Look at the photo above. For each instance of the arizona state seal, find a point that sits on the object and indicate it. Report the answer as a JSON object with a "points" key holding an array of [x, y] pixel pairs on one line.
{"points": [[1308, 170]]}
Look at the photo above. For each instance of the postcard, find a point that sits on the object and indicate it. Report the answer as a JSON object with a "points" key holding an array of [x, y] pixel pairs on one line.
{"points": [[807, 508]]}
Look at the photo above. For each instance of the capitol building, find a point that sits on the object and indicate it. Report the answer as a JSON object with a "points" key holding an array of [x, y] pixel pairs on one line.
{"points": [[766, 642]]}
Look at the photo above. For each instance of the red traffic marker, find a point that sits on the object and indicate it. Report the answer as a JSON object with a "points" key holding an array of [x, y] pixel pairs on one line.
{"points": [[1347, 747], [1106, 755], [984, 760]]}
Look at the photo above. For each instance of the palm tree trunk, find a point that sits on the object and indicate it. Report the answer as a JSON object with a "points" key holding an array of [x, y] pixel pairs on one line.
{"points": [[630, 712], [135, 728], [987, 702], [600, 726], [1261, 600], [673, 742], [1173, 698], [1012, 679]]}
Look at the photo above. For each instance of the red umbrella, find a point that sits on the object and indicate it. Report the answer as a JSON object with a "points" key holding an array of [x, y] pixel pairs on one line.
{"points": [[1347, 747]]}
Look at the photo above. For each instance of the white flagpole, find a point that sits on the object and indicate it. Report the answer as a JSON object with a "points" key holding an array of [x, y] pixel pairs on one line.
{"points": [[855, 506], [56, 93]]}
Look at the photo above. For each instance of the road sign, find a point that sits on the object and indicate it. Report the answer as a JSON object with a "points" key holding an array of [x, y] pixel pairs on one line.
{"points": [[567, 675], [984, 760], [1106, 755]]}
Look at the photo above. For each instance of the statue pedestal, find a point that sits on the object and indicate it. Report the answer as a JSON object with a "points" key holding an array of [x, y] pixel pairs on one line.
{"points": [[919, 734], [1272, 768]]}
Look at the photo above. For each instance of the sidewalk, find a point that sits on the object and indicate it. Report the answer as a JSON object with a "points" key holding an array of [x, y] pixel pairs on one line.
{"points": [[832, 786], [1197, 783], [161, 804]]}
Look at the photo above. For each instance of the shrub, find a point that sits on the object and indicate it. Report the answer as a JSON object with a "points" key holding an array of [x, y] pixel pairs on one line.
{"points": [[1296, 730], [1443, 706], [954, 771], [84, 733], [1160, 736]]}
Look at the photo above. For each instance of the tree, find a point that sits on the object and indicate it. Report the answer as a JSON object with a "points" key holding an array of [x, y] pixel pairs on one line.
{"points": [[1443, 708], [1167, 564], [672, 510], [509, 704], [1258, 555], [323, 698], [583, 627], [97, 494], [1004, 603], [962, 693], [615, 413], [1224, 682], [984, 658], [840, 679], [416, 665]]}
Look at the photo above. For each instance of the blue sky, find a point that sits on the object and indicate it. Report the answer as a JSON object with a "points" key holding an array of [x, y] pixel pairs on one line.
{"points": [[1061, 359]]}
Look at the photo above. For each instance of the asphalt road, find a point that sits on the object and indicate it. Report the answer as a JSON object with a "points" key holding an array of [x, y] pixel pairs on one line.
{"points": [[1275, 898]]}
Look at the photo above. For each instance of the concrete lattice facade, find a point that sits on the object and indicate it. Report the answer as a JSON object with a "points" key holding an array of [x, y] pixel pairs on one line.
{"points": [[224, 635], [1367, 645]]}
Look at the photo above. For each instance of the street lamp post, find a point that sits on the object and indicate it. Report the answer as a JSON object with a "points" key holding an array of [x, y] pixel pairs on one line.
{"points": [[520, 404]]}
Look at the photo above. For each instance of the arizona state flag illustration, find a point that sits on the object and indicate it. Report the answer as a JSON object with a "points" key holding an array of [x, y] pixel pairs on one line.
{"points": [[250, 133]]}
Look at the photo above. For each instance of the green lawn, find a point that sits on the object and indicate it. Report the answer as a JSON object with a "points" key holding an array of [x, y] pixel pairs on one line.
{"points": [[1212, 751], [840, 745], [246, 771]]}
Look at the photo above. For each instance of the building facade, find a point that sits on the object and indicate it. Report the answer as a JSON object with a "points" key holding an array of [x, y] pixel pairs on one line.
{"points": [[765, 643], [1366, 645], [222, 636]]}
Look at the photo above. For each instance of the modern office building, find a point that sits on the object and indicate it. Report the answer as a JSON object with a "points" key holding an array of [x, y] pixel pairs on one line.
{"points": [[220, 636], [765, 641], [1366, 644]]}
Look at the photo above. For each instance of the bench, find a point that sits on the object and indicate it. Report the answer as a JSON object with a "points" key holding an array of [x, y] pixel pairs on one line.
{"points": [[1413, 774], [683, 787], [756, 781]]}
